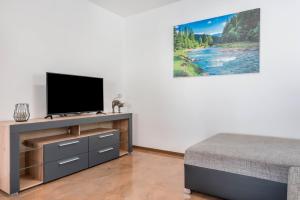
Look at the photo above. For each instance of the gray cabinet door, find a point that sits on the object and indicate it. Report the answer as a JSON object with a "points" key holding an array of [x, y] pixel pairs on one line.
{"points": [[97, 157], [60, 150], [101, 141], [60, 168]]}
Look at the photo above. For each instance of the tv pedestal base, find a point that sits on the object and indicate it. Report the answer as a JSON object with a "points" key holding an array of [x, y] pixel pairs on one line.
{"points": [[66, 115], [49, 116], [100, 112]]}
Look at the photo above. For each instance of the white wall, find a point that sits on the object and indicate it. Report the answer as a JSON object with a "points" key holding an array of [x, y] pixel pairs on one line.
{"points": [[79, 37], [64, 36], [173, 113]]}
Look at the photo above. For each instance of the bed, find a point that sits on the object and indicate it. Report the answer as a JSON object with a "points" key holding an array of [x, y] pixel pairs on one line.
{"points": [[244, 167]]}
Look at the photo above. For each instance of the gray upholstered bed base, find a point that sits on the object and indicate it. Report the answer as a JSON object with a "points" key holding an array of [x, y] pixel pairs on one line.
{"points": [[245, 167], [232, 186]]}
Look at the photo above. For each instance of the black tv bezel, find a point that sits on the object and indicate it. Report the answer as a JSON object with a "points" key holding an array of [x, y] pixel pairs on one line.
{"points": [[88, 111]]}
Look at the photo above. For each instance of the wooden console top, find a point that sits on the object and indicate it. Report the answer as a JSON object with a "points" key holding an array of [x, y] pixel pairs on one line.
{"points": [[40, 120]]}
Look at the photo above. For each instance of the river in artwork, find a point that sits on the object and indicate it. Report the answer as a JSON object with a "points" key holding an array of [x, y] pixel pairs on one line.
{"points": [[221, 60]]}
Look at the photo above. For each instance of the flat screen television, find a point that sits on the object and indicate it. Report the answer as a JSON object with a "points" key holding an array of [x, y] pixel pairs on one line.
{"points": [[69, 94]]}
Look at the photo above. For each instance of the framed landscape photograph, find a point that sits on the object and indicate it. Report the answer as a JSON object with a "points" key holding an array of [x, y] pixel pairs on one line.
{"points": [[218, 46]]}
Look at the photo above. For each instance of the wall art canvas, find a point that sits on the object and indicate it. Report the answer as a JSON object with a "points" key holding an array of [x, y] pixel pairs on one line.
{"points": [[218, 46]]}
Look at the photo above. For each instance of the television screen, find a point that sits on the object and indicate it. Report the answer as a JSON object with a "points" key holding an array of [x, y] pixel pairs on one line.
{"points": [[73, 94]]}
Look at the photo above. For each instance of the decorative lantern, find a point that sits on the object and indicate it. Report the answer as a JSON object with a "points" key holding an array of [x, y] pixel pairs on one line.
{"points": [[21, 113]]}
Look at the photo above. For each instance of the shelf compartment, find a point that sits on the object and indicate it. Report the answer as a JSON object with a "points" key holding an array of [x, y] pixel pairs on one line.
{"points": [[31, 166], [39, 142], [31, 139], [30, 177], [93, 126], [24, 148], [122, 126], [31, 158], [96, 131], [27, 182]]}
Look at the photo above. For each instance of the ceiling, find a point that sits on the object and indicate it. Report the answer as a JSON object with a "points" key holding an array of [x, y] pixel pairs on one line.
{"points": [[127, 8]]}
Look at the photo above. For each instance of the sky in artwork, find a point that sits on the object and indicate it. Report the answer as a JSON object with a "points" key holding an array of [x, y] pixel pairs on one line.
{"points": [[211, 26]]}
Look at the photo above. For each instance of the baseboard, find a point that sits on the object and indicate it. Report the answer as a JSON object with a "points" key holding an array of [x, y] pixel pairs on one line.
{"points": [[171, 153]]}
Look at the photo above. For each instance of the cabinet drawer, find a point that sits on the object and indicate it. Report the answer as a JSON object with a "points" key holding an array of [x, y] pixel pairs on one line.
{"points": [[60, 168], [97, 157], [101, 141], [60, 150]]}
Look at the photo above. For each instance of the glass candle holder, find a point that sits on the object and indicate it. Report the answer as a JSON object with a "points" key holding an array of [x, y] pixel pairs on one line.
{"points": [[21, 113]]}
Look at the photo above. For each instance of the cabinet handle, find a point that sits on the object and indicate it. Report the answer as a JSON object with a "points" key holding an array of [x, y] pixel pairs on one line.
{"points": [[106, 150], [68, 143], [68, 161], [104, 136]]}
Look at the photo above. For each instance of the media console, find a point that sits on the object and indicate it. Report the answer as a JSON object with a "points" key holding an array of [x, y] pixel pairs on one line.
{"points": [[42, 150]]}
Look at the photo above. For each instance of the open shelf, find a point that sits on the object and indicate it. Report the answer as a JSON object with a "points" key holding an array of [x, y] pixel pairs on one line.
{"points": [[24, 149], [31, 165], [31, 176], [49, 139], [27, 181], [96, 131], [31, 158], [39, 142]]}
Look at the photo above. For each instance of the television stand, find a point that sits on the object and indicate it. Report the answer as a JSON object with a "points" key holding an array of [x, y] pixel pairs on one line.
{"points": [[49, 116], [100, 112], [41, 150]]}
